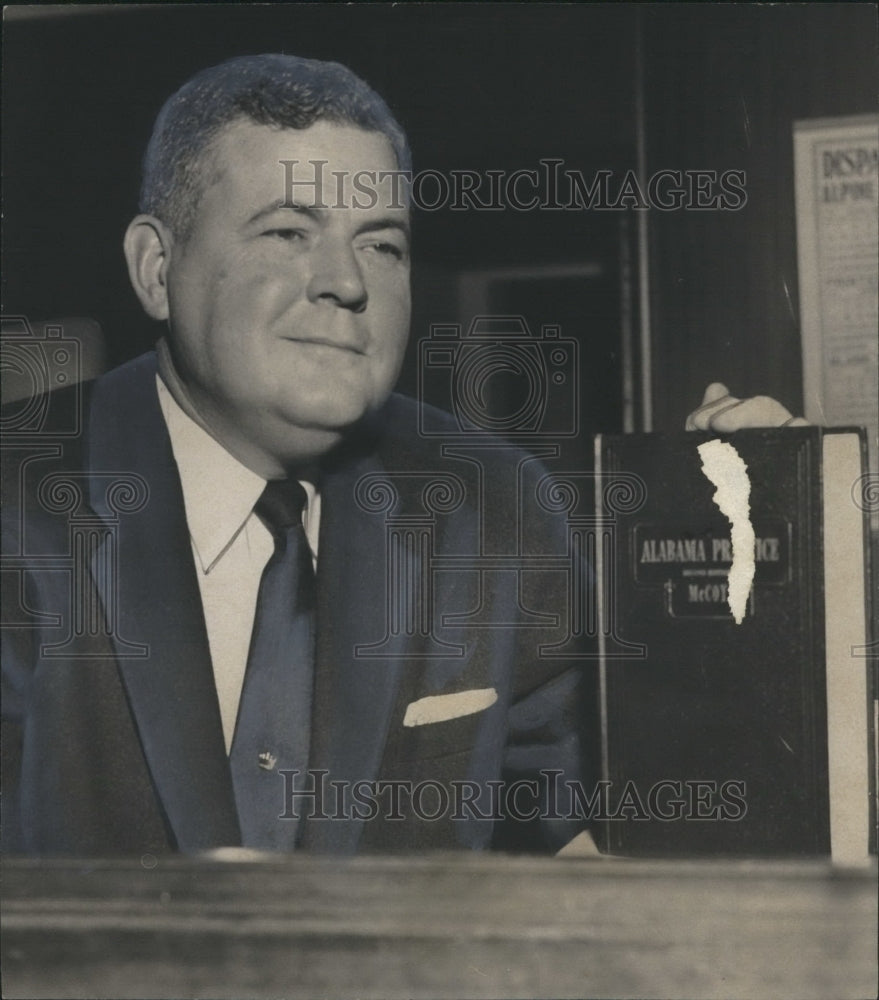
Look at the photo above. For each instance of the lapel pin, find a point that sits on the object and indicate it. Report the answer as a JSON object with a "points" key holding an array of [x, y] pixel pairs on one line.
{"points": [[267, 760]]}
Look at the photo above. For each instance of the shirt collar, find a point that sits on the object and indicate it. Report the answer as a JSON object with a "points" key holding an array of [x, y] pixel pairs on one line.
{"points": [[218, 491]]}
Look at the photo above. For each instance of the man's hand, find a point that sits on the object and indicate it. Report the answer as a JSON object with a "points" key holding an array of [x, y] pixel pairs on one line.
{"points": [[724, 413]]}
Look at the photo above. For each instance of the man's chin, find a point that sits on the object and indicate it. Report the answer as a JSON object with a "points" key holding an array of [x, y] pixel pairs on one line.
{"points": [[295, 448], [309, 434], [312, 437], [338, 416]]}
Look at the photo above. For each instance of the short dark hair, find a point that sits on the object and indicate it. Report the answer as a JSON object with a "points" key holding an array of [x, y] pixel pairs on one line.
{"points": [[271, 89]]}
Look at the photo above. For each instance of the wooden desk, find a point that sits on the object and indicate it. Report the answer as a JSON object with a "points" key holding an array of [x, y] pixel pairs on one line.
{"points": [[437, 926]]}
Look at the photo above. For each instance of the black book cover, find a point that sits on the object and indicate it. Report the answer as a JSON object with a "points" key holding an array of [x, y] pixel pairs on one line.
{"points": [[715, 733]]}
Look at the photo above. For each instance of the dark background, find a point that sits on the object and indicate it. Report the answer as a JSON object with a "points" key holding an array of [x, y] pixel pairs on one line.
{"points": [[479, 87]]}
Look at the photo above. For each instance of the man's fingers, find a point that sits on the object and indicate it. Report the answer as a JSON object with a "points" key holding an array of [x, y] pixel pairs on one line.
{"points": [[715, 400], [758, 411], [714, 392], [723, 413]]}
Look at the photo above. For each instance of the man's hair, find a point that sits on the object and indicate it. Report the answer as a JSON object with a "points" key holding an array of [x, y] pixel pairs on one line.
{"points": [[279, 90]]}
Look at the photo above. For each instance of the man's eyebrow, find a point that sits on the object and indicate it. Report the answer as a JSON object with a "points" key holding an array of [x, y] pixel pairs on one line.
{"points": [[386, 222], [315, 214], [280, 206]]}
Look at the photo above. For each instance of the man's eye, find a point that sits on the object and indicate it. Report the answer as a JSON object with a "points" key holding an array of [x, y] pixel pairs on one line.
{"points": [[391, 249], [288, 235]]}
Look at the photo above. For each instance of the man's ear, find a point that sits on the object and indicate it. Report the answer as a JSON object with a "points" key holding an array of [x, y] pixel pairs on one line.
{"points": [[147, 245]]}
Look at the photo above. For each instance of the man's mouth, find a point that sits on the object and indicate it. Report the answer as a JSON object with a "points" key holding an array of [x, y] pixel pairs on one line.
{"points": [[349, 345]]}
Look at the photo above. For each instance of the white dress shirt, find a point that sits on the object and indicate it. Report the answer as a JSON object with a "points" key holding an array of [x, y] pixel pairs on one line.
{"points": [[230, 545]]}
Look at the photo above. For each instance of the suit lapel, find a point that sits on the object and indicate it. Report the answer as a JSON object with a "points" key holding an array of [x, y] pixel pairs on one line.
{"points": [[171, 691], [353, 696]]}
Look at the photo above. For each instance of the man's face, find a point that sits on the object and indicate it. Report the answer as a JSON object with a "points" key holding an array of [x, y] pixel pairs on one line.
{"points": [[289, 321]]}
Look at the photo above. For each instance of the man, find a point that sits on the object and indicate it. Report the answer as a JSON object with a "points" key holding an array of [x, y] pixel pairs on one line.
{"points": [[169, 704]]}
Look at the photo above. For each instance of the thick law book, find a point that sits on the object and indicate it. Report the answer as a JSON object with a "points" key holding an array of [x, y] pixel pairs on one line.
{"points": [[734, 631]]}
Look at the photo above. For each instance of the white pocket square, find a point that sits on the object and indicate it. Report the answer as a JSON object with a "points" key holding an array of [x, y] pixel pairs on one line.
{"points": [[442, 707]]}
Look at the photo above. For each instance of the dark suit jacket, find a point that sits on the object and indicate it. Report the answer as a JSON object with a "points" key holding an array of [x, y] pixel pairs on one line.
{"points": [[112, 739]]}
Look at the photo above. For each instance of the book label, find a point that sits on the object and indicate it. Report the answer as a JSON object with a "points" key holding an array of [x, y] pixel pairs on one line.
{"points": [[690, 568]]}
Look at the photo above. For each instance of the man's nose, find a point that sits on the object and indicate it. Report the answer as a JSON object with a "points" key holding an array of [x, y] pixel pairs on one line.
{"points": [[336, 276]]}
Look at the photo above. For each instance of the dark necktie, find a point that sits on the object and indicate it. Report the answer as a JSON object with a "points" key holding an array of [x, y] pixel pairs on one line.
{"points": [[274, 716]]}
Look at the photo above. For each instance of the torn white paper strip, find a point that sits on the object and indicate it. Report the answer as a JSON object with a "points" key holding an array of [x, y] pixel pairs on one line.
{"points": [[726, 469], [442, 707]]}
